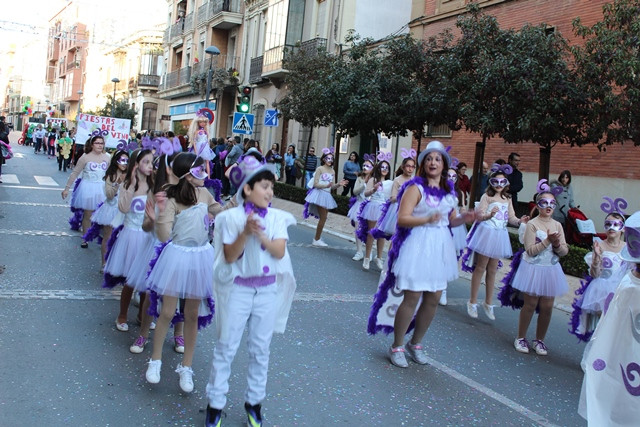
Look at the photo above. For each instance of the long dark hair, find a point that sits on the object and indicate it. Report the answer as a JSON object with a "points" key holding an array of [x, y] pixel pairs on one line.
{"points": [[134, 160], [88, 146], [566, 173], [112, 170], [376, 173], [444, 179], [293, 153], [184, 192], [492, 192], [400, 170], [161, 174]]}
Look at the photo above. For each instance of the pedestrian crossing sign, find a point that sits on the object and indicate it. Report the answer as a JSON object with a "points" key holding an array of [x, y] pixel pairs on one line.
{"points": [[243, 123]]}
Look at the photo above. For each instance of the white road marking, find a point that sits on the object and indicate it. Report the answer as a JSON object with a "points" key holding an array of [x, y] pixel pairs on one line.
{"points": [[10, 178], [18, 155], [29, 187], [48, 205], [45, 180]]}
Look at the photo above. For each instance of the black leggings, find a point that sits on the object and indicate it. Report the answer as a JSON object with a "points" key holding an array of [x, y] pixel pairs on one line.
{"points": [[349, 187]]}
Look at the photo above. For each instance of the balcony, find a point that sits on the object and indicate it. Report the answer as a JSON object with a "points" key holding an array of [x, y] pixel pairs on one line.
{"points": [[176, 78], [148, 80], [188, 23], [222, 14], [255, 71], [221, 61], [73, 64], [272, 65], [176, 30], [165, 37]]}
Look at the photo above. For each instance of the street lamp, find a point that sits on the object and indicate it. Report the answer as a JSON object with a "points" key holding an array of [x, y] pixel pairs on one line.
{"points": [[80, 92], [213, 51], [115, 81]]}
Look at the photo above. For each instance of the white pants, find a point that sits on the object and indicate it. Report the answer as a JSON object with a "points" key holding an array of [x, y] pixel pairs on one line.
{"points": [[255, 307]]}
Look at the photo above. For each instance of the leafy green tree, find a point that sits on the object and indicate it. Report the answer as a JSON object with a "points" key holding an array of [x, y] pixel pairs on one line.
{"points": [[609, 65], [121, 110]]}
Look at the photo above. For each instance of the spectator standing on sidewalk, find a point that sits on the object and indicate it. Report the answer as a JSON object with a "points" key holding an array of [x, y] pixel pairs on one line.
{"points": [[564, 198], [310, 164], [484, 181], [515, 179], [464, 183], [289, 165], [351, 169]]}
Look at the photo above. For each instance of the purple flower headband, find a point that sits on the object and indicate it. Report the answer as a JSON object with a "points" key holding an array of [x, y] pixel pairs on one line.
{"points": [[99, 132], [126, 146], [329, 150], [369, 158], [543, 187], [162, 145], [505, 169], [614, 206], [382, 156], [408, 153]]}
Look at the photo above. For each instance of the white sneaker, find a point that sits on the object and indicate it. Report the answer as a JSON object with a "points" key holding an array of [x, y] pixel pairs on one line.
{"points": [[153, 371], [379, 263], [365, 263], [416, 352], [319, 243], [136, 299], [539, 348], [521, 345], [186, 378], [472, 310], [443, 298], [152, 326], [358, 256], [488, 310], [138, 346], [397, 357]]}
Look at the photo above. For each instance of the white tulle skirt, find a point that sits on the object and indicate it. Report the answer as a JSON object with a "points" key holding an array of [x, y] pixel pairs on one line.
{"points": [[540, 280], [106, 213], [353, 211], [183, 272], [129, 243], [137, 277], [459, 237], [88, 195], [321, 198], [372, 211], [597, 292], [426, 261], [490, 242]]}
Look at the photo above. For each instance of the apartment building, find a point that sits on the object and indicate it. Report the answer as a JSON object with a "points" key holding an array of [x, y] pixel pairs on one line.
{"points": [[192, 27], [595, 174]]}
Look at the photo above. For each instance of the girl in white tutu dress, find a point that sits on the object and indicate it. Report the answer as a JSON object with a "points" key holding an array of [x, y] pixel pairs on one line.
{"points": [[488, 240], [199, 139], [358, 191], [378, 190], [610, 388], [539, 276], [606, 269], [89, 193], [106, 215], [319, 200], [184, 268], [129, 239], [422, 258], [388, 220]]}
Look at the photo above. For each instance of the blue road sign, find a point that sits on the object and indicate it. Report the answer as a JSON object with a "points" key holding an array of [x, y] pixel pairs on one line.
{"points": [[271, 118], [243, 123]]}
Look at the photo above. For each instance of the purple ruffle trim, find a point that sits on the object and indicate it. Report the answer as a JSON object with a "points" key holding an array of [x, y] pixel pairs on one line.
{"points": [[203, 321], [305, 212], [376, 232], [92, 233], [363, 225], [158, 250], [468, 252], [216, 186], [389, 281], [352, 201], [574, 321], [508, 296], [112, 241], [111, 282], [75, 221]]}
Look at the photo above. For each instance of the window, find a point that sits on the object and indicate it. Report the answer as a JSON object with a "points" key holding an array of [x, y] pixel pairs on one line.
{"points": [[149, 115], [440, 131]]}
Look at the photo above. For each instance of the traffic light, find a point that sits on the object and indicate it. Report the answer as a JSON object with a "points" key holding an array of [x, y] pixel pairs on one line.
{"points": [[244, 99]]}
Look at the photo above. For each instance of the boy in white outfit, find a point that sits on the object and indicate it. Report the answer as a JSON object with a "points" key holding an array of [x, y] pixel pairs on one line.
{"points": [[253, 285]]}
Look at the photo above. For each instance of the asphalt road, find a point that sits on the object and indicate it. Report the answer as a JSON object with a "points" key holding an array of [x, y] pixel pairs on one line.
{"points": [[63, 363]]}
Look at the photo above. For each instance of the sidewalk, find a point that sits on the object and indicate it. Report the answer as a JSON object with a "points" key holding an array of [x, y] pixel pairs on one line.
{"points": [[340, 226]]}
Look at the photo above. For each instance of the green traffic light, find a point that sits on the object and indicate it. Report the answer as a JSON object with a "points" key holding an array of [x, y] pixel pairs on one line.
{"points": [[244, 108]]}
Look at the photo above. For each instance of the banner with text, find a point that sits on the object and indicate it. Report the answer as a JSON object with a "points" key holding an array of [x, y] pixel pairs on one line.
{"points": [[113, 130]]}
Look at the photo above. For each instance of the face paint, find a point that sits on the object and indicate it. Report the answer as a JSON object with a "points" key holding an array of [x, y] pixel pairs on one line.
{"points": [[199, 172], [498, 182], [123, 161], [328, 159], [613, 224], [367, 167], [384, 168], [452, 176], [546, 203]]}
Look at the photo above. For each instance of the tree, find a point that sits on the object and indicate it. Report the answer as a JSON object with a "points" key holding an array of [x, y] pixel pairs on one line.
{"points": [[542, 102], [609, 65], [479, 55], [121, 110]]}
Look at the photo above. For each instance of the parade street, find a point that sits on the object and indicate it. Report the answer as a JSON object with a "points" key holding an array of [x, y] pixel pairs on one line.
{"points": [[63, 363]]}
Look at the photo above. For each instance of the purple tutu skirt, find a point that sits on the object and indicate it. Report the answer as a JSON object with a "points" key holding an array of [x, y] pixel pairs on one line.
{"points": [[88, 195], [540, 280], [137, 277], [371, 211], [106, 212], [353, 211], [459, 237], [490, 242]]}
